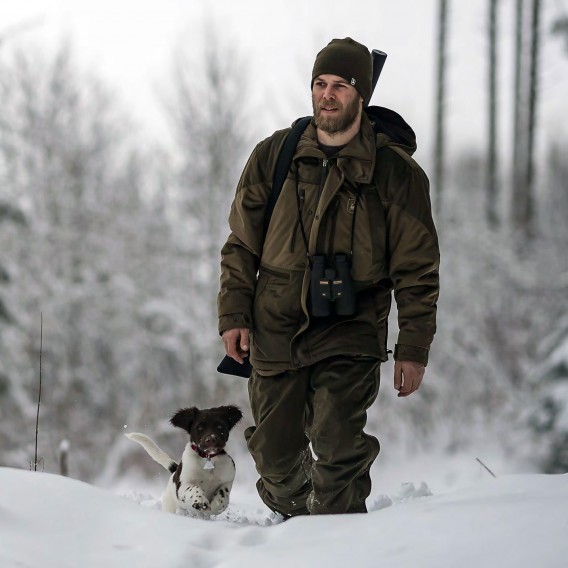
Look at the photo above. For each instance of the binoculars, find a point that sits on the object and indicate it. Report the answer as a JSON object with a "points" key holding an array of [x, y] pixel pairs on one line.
{"points": [[331, 286]]}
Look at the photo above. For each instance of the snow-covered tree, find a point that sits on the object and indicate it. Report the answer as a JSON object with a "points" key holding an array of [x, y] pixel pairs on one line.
{"points": [[94, 257], [211, 127]]}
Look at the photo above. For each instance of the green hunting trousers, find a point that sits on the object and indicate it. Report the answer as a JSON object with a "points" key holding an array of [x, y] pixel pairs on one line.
{"points": [[325, 404]]}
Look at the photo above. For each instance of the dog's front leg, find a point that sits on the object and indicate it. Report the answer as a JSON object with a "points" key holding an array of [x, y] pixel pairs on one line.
{"points": [[193, 496], [220, 500]]}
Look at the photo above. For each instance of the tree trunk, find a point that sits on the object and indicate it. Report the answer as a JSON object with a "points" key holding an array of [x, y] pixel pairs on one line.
{"points": [[530, 202], [518, 129], [526, 90], [492, 161], [440, 107]]}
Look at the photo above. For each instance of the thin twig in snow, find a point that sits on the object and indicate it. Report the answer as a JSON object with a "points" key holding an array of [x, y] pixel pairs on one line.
{"points": [[483, 465], [39, 394]]}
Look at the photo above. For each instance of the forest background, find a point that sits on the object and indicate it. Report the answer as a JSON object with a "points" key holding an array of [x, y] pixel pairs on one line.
{"points": [[123, 132]]}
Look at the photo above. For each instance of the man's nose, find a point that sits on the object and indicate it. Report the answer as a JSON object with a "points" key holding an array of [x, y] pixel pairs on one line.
{"points": [[329, 93]]}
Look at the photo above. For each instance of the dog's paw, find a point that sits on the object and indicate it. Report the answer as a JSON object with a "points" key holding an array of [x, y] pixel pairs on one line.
{"points": [[200, 505], [218, 508], [220, 501], [195, 498]]}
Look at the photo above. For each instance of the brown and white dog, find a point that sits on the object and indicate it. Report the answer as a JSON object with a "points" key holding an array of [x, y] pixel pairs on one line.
{"points": [[202, 481]]}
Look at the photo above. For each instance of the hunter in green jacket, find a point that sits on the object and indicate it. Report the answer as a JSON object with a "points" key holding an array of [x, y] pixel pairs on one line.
{"points": [[353, 196]]}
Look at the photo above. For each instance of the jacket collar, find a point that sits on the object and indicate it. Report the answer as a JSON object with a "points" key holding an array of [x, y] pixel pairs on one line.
{"points": [[356, 160]]}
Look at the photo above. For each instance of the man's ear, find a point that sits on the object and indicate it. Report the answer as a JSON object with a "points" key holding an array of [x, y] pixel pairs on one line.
{"points": [[233, 414], [184, 418]]}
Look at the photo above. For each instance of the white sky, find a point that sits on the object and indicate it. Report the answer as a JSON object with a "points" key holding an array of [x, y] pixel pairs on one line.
{"points": [[129, 42]]}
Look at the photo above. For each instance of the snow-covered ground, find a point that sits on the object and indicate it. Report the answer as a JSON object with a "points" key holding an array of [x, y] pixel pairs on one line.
{"points": [[512, 521]]}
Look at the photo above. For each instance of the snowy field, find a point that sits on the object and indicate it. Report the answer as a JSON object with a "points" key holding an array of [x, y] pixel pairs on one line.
{"points": [[514, 521]]}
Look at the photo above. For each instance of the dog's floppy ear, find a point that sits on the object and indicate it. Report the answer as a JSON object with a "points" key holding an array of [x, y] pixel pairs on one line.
{"points": [[232, 413], [184, 418]]}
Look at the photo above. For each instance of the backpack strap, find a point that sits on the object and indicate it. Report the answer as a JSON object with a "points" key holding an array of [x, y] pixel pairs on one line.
{"points": [[283, 163]]}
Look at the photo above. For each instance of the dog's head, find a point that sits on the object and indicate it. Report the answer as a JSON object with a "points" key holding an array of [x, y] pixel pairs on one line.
{"points": [[208, 428]]}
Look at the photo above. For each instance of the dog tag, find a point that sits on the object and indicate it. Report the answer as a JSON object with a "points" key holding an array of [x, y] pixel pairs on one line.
{"points": [[208, 464]]}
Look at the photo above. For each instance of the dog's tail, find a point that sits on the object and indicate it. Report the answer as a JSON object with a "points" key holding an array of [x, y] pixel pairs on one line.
{"points": [[156, 453]]}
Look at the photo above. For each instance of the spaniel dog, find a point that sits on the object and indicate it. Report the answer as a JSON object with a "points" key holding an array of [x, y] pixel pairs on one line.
{"points": [[202, 481]]}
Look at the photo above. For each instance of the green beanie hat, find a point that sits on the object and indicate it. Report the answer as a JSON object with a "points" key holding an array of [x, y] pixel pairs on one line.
{"points": [[350, 60]]}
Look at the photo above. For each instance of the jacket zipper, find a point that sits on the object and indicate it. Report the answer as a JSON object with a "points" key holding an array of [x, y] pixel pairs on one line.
{"points": [[297, 225], [302, 197], [324, 172], [323, 178]]}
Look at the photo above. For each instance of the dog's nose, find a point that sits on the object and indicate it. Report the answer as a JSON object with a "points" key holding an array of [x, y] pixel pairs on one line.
{"points": [[211, 440]]}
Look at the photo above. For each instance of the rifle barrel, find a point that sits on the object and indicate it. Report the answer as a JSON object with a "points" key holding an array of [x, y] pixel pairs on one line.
{"points": [[379, 58]]}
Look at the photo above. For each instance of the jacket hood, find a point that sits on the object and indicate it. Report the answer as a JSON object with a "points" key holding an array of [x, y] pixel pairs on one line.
{"points": [[390, 123]]}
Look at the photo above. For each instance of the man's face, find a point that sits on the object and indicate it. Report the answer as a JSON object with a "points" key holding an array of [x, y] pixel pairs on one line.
{"points": [[336, 104]]}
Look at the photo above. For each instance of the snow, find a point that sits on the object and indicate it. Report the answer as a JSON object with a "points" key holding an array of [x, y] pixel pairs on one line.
{"points": [[512, 521]]}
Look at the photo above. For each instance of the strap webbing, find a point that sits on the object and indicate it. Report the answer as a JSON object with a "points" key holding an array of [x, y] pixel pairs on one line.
{"points": [[283, 165]]}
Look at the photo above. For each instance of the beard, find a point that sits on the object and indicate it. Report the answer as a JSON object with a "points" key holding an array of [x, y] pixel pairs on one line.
{"points": [[339, 123]]}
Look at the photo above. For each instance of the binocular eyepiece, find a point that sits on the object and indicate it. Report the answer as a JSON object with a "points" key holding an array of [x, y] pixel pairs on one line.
{"points": [[331, 286]]}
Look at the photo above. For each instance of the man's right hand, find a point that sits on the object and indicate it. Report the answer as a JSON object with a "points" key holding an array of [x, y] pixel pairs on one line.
{"points": [[236, 343]]}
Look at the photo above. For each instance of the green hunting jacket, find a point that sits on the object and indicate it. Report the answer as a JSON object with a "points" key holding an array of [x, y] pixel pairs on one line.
{"points": [[265, 279]]}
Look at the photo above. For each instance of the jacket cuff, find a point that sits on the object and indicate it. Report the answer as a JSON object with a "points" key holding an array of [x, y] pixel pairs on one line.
{"points": [[411, 353], [233, 321]]}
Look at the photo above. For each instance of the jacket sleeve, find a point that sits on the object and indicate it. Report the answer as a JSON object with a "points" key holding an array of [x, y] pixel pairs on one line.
{"points": [[240, 256], [414, 258]]}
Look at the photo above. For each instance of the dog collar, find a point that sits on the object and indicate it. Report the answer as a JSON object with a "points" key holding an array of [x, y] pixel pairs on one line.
{"points": [[203, 454]]}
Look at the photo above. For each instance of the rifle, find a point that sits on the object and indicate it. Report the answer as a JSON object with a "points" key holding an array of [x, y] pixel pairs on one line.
{"points": [[379, 58]]}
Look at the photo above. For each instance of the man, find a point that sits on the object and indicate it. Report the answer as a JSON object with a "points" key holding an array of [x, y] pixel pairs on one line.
{"points": [[315, 330]]}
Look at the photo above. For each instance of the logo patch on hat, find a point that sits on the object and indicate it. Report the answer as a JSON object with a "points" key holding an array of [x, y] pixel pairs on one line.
{"points": [[353, 81]]}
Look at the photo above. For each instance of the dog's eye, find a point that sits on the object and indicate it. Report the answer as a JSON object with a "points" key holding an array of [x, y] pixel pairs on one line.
{"points": [[200, 428], [219, 427]]}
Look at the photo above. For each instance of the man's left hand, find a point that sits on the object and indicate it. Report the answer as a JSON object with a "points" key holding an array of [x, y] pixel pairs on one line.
{"points": [[407, 376]]}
